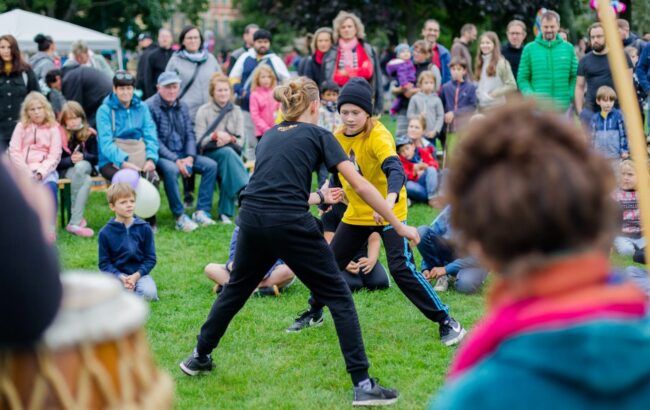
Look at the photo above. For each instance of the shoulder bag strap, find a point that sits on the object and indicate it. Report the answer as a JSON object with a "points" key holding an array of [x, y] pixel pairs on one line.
{"points": [[189, 84], [225, 110]]}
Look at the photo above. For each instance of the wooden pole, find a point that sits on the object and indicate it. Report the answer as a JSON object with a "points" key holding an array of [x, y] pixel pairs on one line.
{"points": [[630, 107]]}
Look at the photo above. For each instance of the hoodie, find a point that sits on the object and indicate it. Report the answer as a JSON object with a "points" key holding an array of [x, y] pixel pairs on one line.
{"points": [[41, 63], [126, 250]]}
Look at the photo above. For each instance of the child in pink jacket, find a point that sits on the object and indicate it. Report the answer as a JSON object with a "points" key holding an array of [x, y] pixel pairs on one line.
{"points": [[35, 146], [263, 107]]}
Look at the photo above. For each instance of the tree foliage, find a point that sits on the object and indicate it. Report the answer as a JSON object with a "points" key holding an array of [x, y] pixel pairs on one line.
{"points": [[398, 19], [125, 18]]}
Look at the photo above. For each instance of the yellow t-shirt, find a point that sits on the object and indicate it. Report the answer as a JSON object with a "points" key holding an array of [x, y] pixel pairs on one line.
{"points": [[367, 155]]}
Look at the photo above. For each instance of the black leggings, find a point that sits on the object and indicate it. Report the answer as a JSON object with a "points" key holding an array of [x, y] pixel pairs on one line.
{"points": [[300, 244], [349, 238]]}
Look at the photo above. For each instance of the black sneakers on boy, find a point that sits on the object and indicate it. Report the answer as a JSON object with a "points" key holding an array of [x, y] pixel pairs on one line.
{"points": [[377, 396], [306, 319], [193, 365], [451, 332]]}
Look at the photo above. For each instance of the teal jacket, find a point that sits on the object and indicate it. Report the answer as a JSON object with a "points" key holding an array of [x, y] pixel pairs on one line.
{"points": [[132, 123], [601, 364], [548, 70]]}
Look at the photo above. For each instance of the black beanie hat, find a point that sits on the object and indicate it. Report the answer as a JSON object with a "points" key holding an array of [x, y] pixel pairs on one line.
{"points": [[261, 34], [356, 91]]}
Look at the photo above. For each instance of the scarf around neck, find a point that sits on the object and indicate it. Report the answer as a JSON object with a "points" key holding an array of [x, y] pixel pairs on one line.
{"points": [[198, 57], [348, 56], [565, 293]]}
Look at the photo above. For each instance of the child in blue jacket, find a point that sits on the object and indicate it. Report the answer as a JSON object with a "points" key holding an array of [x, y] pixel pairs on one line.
{"points": [[608, 128], [126, 245]]}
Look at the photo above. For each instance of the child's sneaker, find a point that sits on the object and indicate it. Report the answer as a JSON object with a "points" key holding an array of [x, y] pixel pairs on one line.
{"points": [[376, 396], [451, 332], [202, 218], [224, 219], [306, 319], [83, 223], [193, 365], [185, 224], [80, 231], [442, 284]]}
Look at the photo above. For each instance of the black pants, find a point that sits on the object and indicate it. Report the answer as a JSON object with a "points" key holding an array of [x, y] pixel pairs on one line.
{"points": [[348, 239], [300, 244]]}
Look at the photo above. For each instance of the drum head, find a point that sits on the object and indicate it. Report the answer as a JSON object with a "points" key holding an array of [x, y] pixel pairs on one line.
{"points": [[95, 308]]}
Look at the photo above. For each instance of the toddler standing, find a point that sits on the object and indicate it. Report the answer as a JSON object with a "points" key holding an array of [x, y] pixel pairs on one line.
{"points": [[263, 107]]}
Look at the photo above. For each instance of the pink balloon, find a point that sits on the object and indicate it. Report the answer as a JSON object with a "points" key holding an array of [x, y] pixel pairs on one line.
{"points": [[128, 176]]}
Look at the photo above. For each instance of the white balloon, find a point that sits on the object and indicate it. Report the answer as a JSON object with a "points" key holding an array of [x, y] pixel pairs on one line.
{"points": [[147, 199]]}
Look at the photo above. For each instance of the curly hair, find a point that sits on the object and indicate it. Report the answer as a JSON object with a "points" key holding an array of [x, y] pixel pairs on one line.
{"points": [[525, 186], [341, 17]]}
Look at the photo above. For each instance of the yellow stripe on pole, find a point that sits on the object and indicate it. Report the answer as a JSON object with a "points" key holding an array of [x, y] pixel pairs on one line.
{"points": [[630, 107]]}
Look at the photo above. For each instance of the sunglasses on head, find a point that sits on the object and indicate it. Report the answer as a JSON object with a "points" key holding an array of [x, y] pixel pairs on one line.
{"points": [[124, 76]]}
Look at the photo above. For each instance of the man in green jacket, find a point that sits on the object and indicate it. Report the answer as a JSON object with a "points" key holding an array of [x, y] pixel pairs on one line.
{"points": [[549, 66]]}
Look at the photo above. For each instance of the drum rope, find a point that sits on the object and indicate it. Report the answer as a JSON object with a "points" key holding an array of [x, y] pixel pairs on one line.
{"points": [[7, 389]]}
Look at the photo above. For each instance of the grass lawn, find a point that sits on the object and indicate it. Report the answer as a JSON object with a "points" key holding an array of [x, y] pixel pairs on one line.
{"points": [[258, 364]]}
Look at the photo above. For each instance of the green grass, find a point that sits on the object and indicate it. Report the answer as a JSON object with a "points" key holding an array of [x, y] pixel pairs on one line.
{"points": [[259, 365]]}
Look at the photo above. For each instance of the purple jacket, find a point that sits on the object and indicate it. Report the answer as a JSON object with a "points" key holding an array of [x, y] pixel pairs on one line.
{"points": [[404, 71]]}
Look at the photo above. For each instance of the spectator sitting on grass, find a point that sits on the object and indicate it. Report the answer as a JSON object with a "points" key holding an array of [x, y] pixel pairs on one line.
{"points": [[126, 244], [275, 281]]}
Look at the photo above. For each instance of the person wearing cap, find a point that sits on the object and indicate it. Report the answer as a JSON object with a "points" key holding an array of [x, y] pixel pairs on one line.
{"points": [[177, 153], [401, 69], [126, 133], [420, 168], [241, 77], [146, 45], [195, 66], [371, 148]]}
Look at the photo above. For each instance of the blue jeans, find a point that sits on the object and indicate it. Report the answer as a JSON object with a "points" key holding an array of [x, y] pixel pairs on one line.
{"points": [[146, 288], [437, 251], [170, 173], [425, 188]]}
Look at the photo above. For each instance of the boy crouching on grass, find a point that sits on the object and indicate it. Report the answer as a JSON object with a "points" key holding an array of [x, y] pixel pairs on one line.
{"points": [[126, 246]]}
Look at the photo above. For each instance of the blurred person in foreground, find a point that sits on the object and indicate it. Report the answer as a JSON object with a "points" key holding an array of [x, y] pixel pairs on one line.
{"points": [[561, 325]]}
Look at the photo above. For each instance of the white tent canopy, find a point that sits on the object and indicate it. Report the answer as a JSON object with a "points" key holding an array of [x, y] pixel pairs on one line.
{"points": [[25, 26]]}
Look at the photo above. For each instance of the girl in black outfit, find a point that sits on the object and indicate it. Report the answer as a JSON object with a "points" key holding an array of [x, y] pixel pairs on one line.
{"points": [[275, 223], [16, 81]]}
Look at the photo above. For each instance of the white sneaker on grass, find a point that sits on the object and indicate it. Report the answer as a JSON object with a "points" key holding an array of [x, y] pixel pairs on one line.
{"points": [[225, 219], [202, 218], [185, 224]]}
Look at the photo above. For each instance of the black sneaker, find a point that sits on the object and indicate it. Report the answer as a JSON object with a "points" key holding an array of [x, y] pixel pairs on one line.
{"points": [[306, 319], [451, 332], [192, 366], [377, 396]]}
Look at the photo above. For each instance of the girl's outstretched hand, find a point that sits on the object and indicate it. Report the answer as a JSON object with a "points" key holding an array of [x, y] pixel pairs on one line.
{"points": [[332, 195], [409, 233]]}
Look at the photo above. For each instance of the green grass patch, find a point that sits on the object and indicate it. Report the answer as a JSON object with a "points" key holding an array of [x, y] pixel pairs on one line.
{"points": [[258, 364]]}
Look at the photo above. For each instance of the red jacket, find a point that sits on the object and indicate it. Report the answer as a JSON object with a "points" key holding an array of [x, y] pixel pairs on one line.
{"points": [[426, 156]]}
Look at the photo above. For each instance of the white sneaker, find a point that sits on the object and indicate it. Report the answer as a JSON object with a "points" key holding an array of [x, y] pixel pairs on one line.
{"points": [[442, 284], [185, 224], [224, 219], [202, 218]]}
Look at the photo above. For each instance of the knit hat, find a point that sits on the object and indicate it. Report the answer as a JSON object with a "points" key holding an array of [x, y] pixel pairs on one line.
{"points": [[403, 140], [261, 34], [402, 47], [356, 91]]}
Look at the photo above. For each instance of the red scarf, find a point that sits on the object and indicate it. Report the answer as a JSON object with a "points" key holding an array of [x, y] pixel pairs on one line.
{"points": [[565, 293], [363, 66], [318, 56]]}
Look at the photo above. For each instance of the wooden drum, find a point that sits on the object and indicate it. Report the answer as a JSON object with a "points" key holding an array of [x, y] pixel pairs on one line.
{"points": [[94, 356]]}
